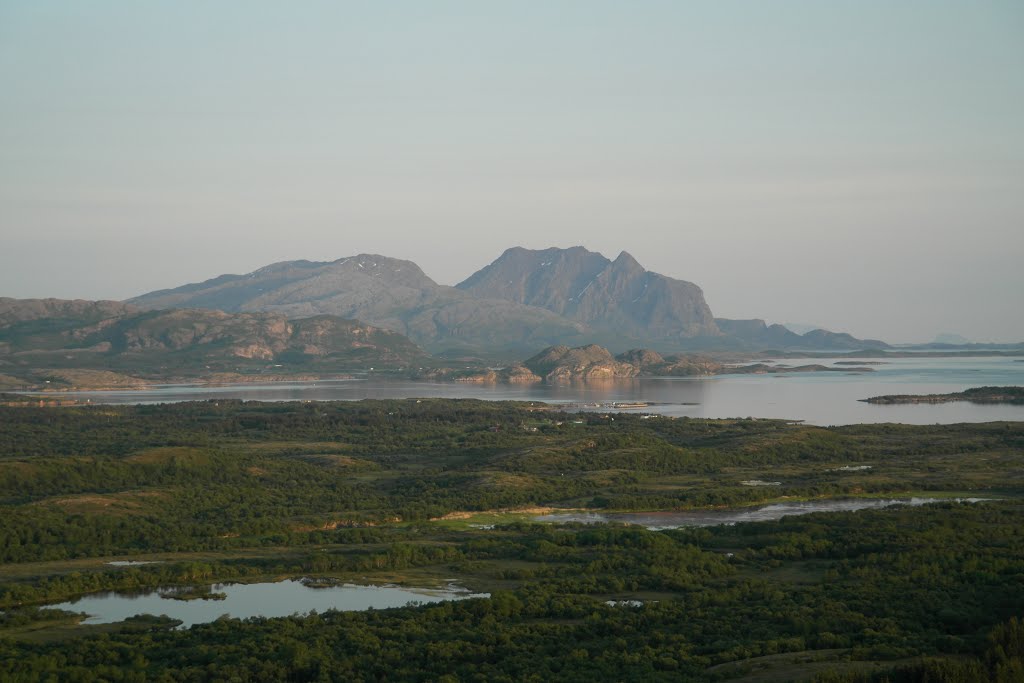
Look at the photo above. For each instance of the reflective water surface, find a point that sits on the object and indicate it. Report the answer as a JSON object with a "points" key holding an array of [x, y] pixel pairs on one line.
{"points": [[816, 397], [279, 599], [763, 513]]}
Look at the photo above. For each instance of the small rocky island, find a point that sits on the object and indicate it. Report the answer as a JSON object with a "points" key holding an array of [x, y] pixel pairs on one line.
{"points": [[1013, 395], [561, 364]]}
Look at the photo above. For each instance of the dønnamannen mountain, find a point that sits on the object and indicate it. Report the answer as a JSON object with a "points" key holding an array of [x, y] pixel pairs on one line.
{"points": [[525, 300]]}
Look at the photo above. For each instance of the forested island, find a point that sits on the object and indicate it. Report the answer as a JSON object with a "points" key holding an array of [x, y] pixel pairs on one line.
{"points": [[1011, 395], [423, 492]]}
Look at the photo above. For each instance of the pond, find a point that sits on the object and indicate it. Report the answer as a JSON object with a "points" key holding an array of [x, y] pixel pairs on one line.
{"points": [[278, 599], [762, 513]]}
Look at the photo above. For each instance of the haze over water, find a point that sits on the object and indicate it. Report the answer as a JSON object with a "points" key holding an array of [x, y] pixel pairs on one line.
{"points": [[826, 398]]}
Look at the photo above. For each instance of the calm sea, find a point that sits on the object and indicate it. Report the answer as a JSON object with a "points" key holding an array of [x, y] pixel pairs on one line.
{"points": [[826, 398]]}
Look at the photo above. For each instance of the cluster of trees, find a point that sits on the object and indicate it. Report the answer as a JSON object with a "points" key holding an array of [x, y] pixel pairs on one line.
{"points": [[343, 489], [947, 587], [209, 475]]}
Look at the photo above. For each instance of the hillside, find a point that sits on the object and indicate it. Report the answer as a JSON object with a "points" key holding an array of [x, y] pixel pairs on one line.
{"points": [[58, 312], [183, 343], [385, 292], [560, 363], [616, 297]]}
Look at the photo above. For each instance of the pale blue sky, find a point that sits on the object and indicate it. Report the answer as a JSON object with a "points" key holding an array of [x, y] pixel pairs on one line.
{"points": [[853, 164]]}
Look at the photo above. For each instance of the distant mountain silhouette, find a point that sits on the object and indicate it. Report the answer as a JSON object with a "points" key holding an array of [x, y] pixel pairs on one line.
{"points": [[619, 297], [757, 333], [382, 291], [525, 300]]}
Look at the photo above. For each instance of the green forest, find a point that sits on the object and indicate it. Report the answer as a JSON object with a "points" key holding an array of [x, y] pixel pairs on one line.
{"points": [[418, 492]]}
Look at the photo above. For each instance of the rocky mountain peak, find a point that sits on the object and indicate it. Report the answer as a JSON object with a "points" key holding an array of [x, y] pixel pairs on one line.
{"points": [[376, 263], [390, 293], [524, 300], [625, 261], [618, 297]]}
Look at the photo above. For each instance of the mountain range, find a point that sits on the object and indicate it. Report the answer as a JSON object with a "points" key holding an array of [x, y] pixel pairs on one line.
{"points": [[524, 300], [389, 293], [618, 298]]}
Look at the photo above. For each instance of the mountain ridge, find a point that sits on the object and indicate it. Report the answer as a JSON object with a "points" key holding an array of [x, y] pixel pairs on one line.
{"points": [[524, 300], [390, 293], [758, 332], [610, 296]]}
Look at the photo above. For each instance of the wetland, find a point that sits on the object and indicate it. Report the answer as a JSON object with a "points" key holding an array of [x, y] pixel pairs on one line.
{"points": [[710, 545]]}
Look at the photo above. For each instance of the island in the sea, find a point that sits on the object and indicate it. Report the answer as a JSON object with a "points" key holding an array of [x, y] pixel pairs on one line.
{"points": [[1013, 395]]}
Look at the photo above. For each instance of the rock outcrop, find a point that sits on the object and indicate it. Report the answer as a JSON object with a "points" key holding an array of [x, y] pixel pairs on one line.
{"points": [[564, 364], [185, 340]]}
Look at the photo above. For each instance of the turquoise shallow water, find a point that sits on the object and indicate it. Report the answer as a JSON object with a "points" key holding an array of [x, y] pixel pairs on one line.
{"points": [[818, 397]]}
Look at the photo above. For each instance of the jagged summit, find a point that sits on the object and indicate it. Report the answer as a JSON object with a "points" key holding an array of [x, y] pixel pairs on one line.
{"points": [[387, 292], [525, 300], [626, 260], [617, 296]]}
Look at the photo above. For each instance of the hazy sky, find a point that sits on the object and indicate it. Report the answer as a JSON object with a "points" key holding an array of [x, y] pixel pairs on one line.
{"points": [[858, 165]]}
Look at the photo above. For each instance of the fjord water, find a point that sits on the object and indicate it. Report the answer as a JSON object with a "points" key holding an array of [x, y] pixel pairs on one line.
{"points": [[825, 398], [279, 599]]}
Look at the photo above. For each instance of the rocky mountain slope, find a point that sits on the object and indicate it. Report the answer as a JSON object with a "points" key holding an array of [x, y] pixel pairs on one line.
{"points": [[616, 297], [186, 342], [385, 292], [525, 300], [561, 363]]}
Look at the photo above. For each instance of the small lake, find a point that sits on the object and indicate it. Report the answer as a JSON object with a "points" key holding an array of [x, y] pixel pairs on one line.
{"points": [[824, 398], [763, 513], [279, 599]]}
